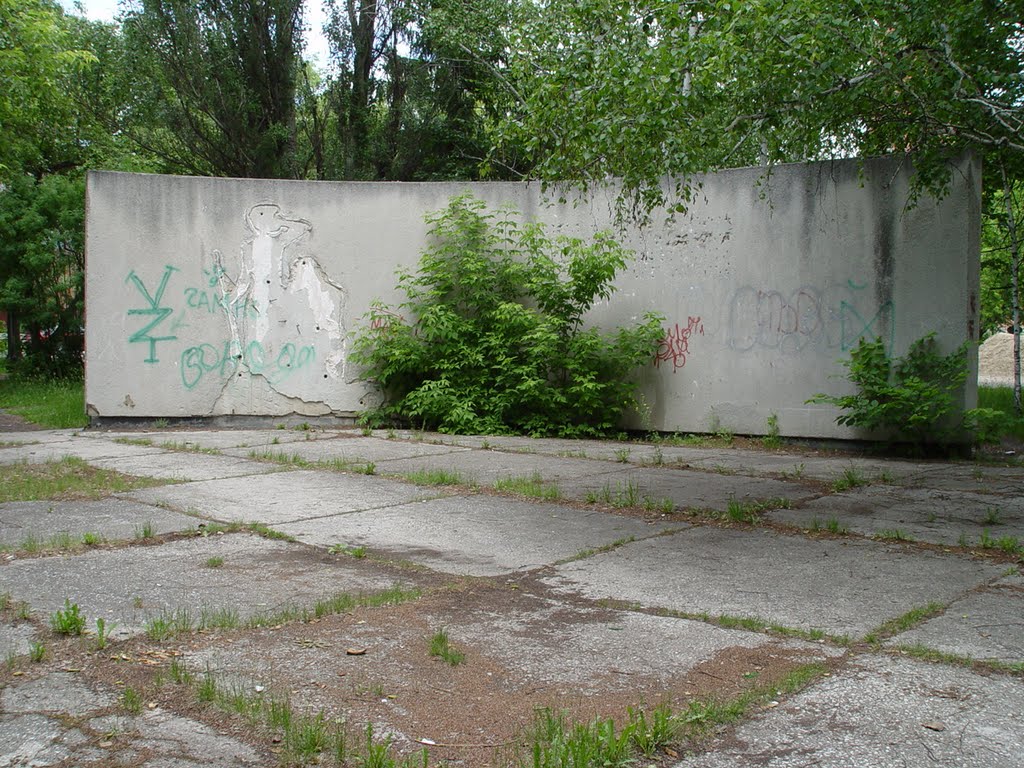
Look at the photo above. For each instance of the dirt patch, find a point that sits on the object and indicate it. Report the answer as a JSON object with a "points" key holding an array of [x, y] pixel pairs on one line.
{"points": [[476, 713], [10, 422]]}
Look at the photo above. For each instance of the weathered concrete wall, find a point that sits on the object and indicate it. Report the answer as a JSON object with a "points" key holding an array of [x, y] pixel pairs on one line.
{"points": [[212, 297]]}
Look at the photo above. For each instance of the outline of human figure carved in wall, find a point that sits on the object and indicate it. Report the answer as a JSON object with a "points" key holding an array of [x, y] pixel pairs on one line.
{"points": [[272, 270]]}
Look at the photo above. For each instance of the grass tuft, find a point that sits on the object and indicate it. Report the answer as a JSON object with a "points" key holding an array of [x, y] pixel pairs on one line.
{"points": [[441, 647], [532, 486], [66, 478]]}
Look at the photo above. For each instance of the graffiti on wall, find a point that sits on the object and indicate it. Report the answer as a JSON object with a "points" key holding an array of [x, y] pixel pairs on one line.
{"points": [[675, 345], [154, 310], [277, 314], [837, 316]]}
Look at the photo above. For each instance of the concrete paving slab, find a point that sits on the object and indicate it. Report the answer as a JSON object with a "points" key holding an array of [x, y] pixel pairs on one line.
{"points": [[551, 641], [474, 535], [129, 586], [487, 467], [356, 449], [687, 488], [923, 514], [60, 719], [88, 450], [110, 519], [57, 692], [15, 639], [176, 465], [841, 587], [966, 476], [38, 436], [221, 439], [38, 740], [1014, 580], [982, 625], [283, 497], [885, 713]]}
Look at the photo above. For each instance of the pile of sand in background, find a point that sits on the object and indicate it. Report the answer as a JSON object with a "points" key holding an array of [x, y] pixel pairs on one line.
{"points": [[995, 360]]}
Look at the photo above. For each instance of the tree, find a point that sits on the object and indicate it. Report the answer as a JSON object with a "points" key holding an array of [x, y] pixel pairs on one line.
{"points": [[37, 55], [42, 260], [415, 91], [220, 77], [642, 90]]}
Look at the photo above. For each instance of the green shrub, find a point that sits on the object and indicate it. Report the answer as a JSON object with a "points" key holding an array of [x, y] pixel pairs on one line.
{"points": [[490, 338], [910, 398]]}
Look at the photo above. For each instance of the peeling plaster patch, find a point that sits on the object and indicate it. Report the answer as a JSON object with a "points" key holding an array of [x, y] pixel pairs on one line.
{"points": [[285, 312], [326, 301]]}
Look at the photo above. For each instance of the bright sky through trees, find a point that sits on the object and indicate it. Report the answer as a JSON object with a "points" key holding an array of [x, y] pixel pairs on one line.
{"points": [[316, 43]]}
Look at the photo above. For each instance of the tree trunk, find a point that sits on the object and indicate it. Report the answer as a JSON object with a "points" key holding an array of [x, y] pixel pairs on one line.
{"points": [[1011, 225]]}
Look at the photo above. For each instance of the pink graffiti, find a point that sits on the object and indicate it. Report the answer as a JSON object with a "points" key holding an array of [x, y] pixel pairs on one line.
{"points": [[676, 344]]}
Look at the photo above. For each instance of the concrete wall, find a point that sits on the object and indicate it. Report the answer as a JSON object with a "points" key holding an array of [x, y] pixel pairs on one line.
{"points": [[210, 297]]}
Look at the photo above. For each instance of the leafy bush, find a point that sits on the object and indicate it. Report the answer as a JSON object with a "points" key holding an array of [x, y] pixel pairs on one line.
{"points": [[490, 338], [911, 397]]}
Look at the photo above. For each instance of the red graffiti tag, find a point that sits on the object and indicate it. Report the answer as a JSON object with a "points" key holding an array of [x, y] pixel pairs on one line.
{"points": [[676, 344], [382, 318]]}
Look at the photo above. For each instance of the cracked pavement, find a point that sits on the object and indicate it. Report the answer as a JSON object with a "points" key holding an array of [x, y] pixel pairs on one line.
{"points": [[644, 574]]}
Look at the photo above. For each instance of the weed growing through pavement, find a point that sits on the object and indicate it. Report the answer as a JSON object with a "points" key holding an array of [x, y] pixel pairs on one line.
{"points": [[145, 531], [750, 511], [182, 447], [173, 623], [68, 620], [556, 743], [577, 453], [36, 652], [832, 525], [131, 700], [434, 477], [993, 516], [893, 534], [304, 739], [91, 539], [69, 477], [901, 624], [585, 553], [169, 624], [850, 478], [103, 630], [797, 472], [923, 652], [343, 549], [627, 494], [441, 647], [771, 439], [532, 486], [214, 562], [1010, 545], [622, 455]]}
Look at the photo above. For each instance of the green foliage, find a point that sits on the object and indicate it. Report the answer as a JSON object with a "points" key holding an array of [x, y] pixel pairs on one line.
{"points": [[217, 84], [42, 258], [52, 404], [442, 648], [494, 341], [641, 90], [37, 58], [910, 398], [68, 620]]}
